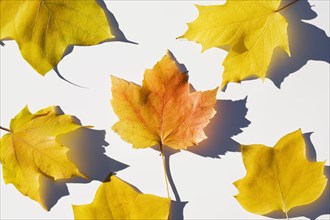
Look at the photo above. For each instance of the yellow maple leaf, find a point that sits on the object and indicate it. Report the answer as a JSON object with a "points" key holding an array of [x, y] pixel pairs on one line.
{"points": [[252, 30], [162, 111], [30, 151], [279, 178], [118, 200], [44, 29]]}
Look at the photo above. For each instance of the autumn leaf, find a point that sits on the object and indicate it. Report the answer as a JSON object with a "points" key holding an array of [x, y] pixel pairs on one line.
{"points": [[251, 29], [44, 29], [162, 111], [118, 200], [279, 178], [30, 150]]}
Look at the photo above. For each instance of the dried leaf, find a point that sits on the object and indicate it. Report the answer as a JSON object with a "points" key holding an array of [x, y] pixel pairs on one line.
{"points": [[30, 151], [118, 200], [162, 111], [44, 29], [252, 30], [279, 178]]}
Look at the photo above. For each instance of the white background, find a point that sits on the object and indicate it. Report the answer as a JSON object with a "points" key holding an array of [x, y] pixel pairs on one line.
{"points": [[205, 182]]}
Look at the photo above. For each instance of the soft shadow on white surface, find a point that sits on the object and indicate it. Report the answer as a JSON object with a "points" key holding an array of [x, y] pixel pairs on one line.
{"points": [[318, 207], [306, 42], [227, 122], [115, 30], [86, 150], [177, 210]]}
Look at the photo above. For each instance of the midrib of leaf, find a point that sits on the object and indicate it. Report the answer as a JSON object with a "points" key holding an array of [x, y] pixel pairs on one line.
{"points": [[185, 119], [262, 32], [34, 148], [162, 120], [51, 14], [21, 170], [165, 101], [16, 157], [259, 37], [139, 116], [280, 187], [36, 20]]}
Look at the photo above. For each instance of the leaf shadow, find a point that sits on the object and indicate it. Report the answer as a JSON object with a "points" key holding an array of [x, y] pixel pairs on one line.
{"points": [[318, 207], [86, 150], [115, 30], [177, 210], [306, 42], [177, 205], [227, 122]]}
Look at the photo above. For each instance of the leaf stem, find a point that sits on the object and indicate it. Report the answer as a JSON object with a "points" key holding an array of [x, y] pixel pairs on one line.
{"points": [[286, 215], [5, 129], [164, 167], [280, 9]]}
